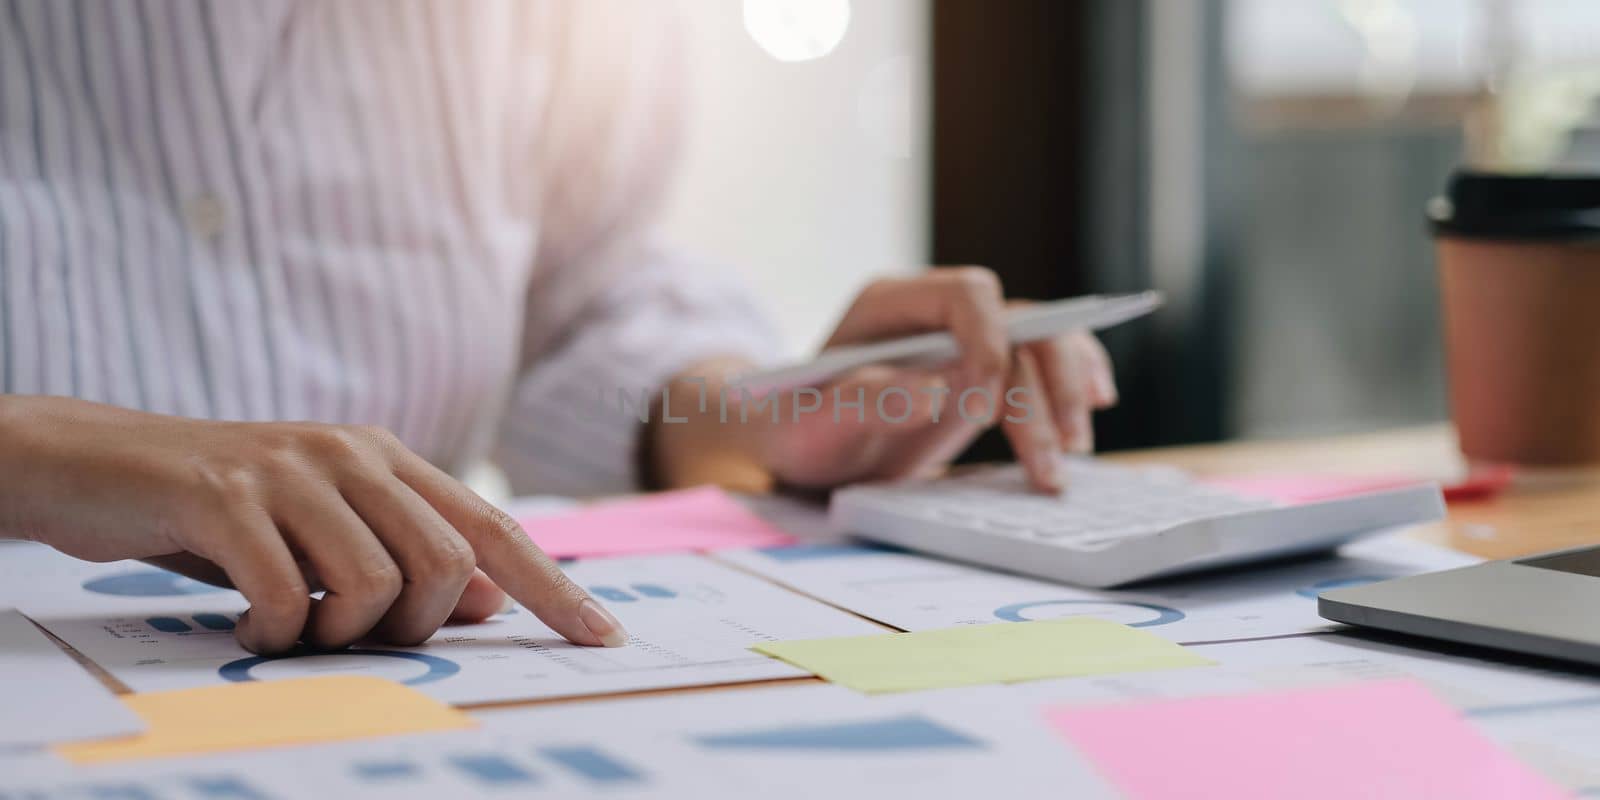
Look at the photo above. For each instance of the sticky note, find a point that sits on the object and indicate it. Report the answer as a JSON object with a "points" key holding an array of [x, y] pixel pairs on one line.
{"points": [[1384, 739], [687, 520], [239, 716], [1003, 652], [1299, 489]]}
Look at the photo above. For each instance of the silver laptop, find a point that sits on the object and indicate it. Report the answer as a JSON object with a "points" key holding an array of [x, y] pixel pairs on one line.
{"points": [[1546, 605]]}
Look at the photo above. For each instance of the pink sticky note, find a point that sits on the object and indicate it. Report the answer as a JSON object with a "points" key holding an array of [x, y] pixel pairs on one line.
{"points": [[684, 520], [1296, 489], [1376, 740]]}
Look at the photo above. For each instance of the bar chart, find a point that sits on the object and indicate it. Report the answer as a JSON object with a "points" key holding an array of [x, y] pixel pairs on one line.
{"points": [[588, 764], [202, 622]]}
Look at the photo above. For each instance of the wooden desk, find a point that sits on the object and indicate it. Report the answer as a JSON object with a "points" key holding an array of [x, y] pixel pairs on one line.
{"points": [[1543, 510]]}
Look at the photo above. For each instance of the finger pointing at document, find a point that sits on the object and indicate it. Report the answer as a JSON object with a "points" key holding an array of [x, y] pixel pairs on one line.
{"points": [[280, 511]]}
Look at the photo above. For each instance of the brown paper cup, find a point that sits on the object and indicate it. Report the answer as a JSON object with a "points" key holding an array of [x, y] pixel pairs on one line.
{"points": [[1520, 286], [1522, 341]]}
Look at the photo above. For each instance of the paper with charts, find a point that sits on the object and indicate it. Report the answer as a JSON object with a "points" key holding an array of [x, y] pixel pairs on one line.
{"points": [[47, 697], [914, 592], [773, 743], [815, 741], [1542, 713], [691, 621], [1485, 690], [809, 741]]}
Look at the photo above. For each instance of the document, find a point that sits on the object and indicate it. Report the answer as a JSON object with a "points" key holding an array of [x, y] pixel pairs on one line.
{"points": [[1560, 740], [241, 716], [46, 697], [914, 592], [775, 743], [806, 520], [1546, 715], [979, 654], [692, 622], [27, 568], [1483, 689], [691, 520], [1384, 739], [534, 506]]}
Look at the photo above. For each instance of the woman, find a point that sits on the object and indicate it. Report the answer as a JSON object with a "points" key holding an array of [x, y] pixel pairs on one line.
{"points": [[426, 227]]}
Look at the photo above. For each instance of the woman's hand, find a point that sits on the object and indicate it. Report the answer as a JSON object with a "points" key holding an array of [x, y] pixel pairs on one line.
{"points": [[1041, 394], [279, 511], [882, 422]]}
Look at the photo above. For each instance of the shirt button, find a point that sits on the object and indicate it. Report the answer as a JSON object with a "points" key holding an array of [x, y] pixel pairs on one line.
{"points": [[206, 215]]}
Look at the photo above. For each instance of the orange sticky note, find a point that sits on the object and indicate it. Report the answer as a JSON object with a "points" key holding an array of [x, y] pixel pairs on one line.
{"points": [[241, 716]]}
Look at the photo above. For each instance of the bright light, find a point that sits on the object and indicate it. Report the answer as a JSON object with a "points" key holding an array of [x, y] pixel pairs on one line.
{"points": [[797, 30]]}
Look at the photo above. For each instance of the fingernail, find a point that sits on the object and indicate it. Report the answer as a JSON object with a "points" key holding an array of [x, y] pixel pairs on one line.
{"points": [[599, 621], [505, 607], [1067, 431], [1083, 441], [1108, 390], [241, 632], [1047, 471]]}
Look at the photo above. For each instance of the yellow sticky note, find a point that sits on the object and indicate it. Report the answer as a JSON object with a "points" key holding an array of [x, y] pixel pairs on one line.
{"points": [[239, 716], [1004, 652]]}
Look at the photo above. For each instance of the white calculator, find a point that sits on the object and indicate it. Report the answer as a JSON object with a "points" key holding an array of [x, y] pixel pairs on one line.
{"points": [[1113, 524]]}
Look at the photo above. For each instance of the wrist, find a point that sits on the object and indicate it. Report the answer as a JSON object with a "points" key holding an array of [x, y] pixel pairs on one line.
{"points": [[698, 435], [19, 467], [53, 453]]}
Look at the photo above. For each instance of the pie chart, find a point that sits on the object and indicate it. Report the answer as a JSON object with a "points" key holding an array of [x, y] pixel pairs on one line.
{"points": [[410, 668], [1134, 615], [149, 582], [1337, 583]]}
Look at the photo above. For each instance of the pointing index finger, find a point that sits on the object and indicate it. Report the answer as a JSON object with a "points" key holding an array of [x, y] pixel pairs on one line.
{"points": [[512, 560]]}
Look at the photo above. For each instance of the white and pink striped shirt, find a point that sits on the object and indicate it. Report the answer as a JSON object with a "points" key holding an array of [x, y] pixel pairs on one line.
{"points": [[430, 215]]}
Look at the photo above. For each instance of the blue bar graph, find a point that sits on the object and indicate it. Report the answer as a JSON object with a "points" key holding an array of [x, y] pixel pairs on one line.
{"points": [[126, 791], [612, 594], [592, 764], [215, 622], [908, 732], [376, 771], [653, 590], [493, 770], [168, 624], [224, 788]]}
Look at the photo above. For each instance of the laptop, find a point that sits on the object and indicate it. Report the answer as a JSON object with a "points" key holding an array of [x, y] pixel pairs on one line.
{"points": [[1547, 605]]}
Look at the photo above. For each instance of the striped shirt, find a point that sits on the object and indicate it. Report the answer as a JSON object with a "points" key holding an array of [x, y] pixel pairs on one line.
{"points": [[430, 215]]}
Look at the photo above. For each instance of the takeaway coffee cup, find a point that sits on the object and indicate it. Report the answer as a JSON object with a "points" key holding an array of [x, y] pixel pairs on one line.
{"points": [[1519, 275]]}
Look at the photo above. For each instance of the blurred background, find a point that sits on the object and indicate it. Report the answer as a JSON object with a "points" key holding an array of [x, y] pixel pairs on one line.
{"points": [[1266, 163]]}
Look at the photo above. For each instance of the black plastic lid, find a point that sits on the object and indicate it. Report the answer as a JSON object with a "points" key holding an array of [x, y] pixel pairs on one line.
{"points": [[1484, 205]]}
